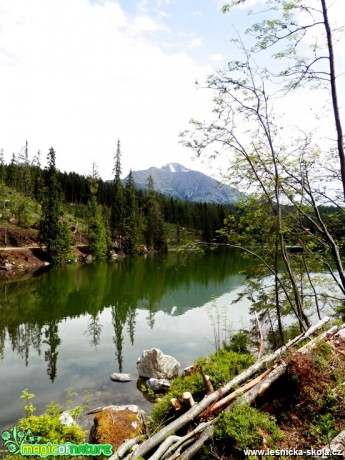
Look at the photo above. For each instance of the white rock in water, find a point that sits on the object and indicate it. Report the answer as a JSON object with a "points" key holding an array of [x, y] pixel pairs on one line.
{"points": [[116, 377], [154, 363]]}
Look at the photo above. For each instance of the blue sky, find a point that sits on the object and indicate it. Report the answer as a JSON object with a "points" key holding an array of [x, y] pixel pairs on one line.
{"points": [[79, 74]]}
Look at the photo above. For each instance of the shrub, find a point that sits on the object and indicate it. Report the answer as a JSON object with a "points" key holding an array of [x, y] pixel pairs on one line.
{"points": [[47, 427]]}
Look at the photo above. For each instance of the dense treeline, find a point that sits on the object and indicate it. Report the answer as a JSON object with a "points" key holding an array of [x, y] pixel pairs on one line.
{"points": [[118, 214]]}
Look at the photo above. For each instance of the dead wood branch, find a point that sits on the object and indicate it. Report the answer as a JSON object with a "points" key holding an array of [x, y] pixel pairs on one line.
{"points": [[194, 449], [188, 399], [261, 346], [176, 404], [198, 408], [178, 441], [207, 382], [262, 386], [125, 446], [235, 394]]}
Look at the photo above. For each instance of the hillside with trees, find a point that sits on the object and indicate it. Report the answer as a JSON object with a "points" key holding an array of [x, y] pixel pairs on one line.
{"points": [[61, 210]]}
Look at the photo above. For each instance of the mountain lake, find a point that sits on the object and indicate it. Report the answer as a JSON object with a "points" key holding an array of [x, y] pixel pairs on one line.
{"points": [[73, 326]]}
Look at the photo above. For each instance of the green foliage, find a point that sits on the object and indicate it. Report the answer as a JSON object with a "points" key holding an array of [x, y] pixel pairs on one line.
{"points": [[324, 428], [239, 342], [221, 367], [149, 391], [245, 427], [132, 230], [118, 200], [47, 427], [16, 206], [29, 407], [54, 232], [322, 354], [96, 227], [154, 232]]}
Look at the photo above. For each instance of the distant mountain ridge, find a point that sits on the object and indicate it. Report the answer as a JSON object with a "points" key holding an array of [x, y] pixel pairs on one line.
{"points": [[177, 181]]}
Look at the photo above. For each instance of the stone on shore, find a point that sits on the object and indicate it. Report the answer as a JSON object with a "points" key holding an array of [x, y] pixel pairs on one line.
{"points": [[154, 363]]}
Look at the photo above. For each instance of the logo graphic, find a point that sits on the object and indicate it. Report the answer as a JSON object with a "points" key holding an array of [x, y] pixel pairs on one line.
{"points": [[24, 442], [14, 439]]}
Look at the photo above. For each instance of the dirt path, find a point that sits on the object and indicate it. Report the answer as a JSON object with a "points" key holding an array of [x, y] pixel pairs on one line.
{"points": [[21, 248]]}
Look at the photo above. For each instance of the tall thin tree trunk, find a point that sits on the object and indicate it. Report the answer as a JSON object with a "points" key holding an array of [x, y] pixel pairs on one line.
{"points": [[335, 105]]}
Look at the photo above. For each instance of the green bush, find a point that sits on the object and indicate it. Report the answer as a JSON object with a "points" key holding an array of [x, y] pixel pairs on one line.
{"points": [[47, 427]]}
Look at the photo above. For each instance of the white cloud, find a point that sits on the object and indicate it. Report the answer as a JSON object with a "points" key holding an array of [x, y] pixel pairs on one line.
{"points": [[197, 13], [142, 6], [79, 76], [145, 24], [161, 3], [195, 43], [217, 57]]}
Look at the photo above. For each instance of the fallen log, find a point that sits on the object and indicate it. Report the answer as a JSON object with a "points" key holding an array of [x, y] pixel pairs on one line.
{"points": [[198, 408], [272, 377], [235, 394], [165, 448], [125, 446]]}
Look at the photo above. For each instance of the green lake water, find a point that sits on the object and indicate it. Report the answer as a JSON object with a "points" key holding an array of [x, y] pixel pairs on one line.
{"points": [[73, 326]]}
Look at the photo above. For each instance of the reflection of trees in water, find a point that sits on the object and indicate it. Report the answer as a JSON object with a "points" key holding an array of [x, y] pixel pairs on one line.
{"points": [[94, 328], [118, 324], [122, 315], [2, 342], [151, 316], [33, 307], [23, 337], [53, 341], [131, 324]]}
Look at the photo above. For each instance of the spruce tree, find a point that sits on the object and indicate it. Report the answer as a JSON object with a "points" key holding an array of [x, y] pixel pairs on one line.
{"points": [[53, 231], [118, 204], [154, 232], [132, 218], [96, 228], [12, 173]]}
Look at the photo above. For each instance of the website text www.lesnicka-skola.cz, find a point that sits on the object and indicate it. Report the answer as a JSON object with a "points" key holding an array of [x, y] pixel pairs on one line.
{"points": [[293, 452]]}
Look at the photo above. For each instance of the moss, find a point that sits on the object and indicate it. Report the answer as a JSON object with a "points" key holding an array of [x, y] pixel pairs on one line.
{"points": [[221, 367], [246, 428], [113, 429]]}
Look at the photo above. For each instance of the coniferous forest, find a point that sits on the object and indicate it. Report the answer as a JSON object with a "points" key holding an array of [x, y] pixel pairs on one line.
{"points": [[110, 215]]}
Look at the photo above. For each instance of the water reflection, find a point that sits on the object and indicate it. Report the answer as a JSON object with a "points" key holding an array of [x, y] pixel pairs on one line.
{"points": [[32, 311]]}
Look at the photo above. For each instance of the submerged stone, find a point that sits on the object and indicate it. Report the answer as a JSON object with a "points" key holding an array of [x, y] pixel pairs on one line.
{"points": [[158, 384], [117, 377]]}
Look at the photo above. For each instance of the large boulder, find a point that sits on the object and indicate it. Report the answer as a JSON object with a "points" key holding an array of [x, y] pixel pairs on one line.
{"points": [[114, 424], [154, 363]]}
